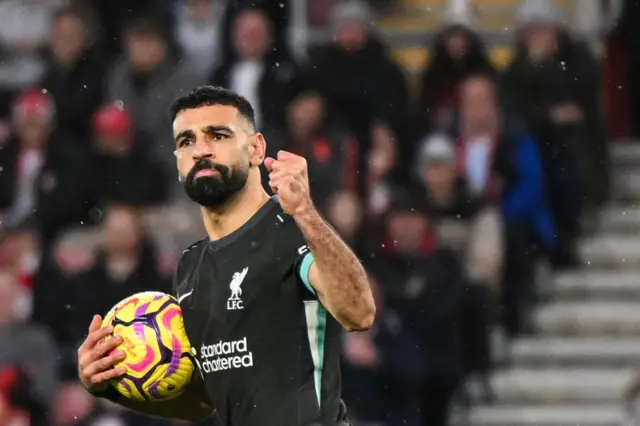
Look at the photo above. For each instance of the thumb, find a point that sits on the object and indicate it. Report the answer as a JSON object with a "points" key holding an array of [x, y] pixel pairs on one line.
{"points": [[96, 323], [268, 163]]}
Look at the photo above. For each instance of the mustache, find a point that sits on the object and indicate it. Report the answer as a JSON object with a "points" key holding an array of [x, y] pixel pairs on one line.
{"points": [[203, 164]]}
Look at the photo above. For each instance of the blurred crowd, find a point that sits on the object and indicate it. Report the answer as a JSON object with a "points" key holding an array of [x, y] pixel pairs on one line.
{"points": [[452, 189]]}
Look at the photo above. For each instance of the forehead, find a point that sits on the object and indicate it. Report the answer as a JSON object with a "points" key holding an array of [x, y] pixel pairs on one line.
{"points": [[477, 87], [210, 115]]}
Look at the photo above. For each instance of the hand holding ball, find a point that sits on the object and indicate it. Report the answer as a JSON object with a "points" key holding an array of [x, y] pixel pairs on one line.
{"points": [[142, 349]]}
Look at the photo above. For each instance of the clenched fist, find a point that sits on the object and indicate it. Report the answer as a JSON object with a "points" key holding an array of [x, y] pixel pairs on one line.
{"points": [[288, 178], [96, 357]]}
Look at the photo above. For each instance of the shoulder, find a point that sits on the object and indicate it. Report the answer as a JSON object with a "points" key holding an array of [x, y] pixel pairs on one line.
{"points": [[191, 252]]}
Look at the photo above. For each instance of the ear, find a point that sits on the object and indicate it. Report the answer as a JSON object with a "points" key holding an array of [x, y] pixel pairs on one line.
{"points": [[257, 149]]}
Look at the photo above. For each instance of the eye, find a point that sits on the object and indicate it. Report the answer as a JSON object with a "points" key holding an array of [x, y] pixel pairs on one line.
{"points": [[185, 142], [218, 136]]}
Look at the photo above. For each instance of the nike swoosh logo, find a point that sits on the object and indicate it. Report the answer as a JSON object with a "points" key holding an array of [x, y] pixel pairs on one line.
{"points": [[184, 296]]}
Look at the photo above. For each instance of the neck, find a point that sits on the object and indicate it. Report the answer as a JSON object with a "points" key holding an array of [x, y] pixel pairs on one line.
{"points": [[486, 127], [222, 221], [444, 196]]}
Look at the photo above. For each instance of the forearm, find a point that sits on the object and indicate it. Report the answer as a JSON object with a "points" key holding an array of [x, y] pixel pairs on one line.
{"points": [[341, 283], [189, 406]]}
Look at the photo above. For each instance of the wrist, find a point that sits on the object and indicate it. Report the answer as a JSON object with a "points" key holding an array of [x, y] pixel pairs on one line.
{"points": [[306, 214], [109, 393]]}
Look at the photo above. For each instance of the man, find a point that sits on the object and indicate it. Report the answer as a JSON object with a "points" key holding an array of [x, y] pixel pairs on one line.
{"points": [[263, 280]]}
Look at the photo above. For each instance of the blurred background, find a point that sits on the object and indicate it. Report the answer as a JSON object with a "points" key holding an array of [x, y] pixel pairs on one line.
{"points": [[478, 155]]}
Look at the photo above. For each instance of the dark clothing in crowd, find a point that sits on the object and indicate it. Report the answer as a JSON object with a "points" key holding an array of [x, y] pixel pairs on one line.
{"points": [[61, 188], [78, 91], [137, 179], [361, 87], [418, 335], [77, 298], [441, 77], [574, 154]]}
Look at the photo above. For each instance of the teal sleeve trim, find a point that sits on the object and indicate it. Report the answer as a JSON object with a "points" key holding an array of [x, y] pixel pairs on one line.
{"points": [[305, 266]]}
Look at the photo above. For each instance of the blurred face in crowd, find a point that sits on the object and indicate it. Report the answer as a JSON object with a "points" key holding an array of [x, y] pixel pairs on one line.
{"points": [[72, 257], [345, 213], [200, 10], [407, 229], [114, 144], [33, 131], [251, 35], [306, 115], [9, 291], [68, 38], [478, 108], [540, 40], [439, 175], [456, 43], [351, 35], [123, 230], [216, 150], [15, 247], [383, 154], [145, 51]]}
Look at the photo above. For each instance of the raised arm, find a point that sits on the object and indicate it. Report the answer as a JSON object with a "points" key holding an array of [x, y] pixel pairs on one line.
{"points": [[333, 270], [96, 369]]}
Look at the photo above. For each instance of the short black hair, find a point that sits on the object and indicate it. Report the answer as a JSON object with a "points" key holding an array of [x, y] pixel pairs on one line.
{"points": [[213, 95], [144, 27]]}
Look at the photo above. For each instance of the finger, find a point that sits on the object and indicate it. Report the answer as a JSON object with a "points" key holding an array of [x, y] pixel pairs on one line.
{"points": [[90, 355], [104, 364], [94, 337], [286, 155], [96, 323], [268, 163], [110, 374], [98, 352], [105, 347]]}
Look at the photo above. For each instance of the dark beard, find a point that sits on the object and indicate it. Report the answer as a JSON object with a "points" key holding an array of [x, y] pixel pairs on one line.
{"points": [[214, 191]]}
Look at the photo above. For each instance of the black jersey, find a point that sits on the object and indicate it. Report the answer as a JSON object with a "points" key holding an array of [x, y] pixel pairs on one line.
{"points": [[267, 349]]}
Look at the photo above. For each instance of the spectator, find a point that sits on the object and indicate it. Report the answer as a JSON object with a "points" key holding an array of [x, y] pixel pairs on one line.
{"points": [[331, 153], [39, 186], [473, 228], [126, 171], [198, 32], [458, 52], [125, 264], [24, 28], [72, 254], [466, 223], [361, 82], [147, 80], [255, 71], [115, 16], [500, 161], [553, 83], [418, 330], [383, 164], [277, 13], [74, 73], [28, 371]]}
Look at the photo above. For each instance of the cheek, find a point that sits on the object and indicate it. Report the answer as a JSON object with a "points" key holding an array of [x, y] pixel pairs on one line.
{"points": [[184, 165]]}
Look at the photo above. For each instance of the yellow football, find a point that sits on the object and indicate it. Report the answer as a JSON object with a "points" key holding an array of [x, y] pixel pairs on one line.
{"points": [[158, 353]]}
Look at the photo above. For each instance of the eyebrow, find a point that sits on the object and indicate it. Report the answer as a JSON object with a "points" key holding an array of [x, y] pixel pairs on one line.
{"points": [[217, 129], [185, 134]]}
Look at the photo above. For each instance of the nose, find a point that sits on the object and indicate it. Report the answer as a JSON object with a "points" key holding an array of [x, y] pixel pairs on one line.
{"points": [[202, 149]]}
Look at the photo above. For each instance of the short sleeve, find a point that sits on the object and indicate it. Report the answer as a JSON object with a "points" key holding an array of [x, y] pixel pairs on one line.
{"points": [[304, 267]]}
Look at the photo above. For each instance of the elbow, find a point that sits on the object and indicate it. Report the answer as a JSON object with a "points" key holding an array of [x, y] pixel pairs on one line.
{"points": [[364, 319]]}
